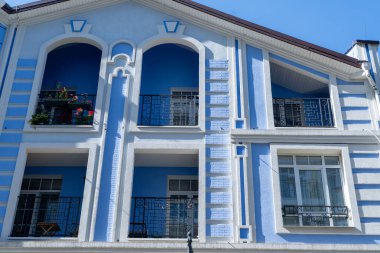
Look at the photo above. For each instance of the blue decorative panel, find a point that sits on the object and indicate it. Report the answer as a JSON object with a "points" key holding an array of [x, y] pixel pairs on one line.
{"points": [[244, 233], [17, 111], [217, 75], [19, 99], [218, 99], [10, 138], [240, 124], [219, 230], [218, 112], [219, 213], [217, 139], [240, 150], [78, 25], [8, 152], [218, 167], [217, 64], [24, 74], [348, 95], [218, 125], [27, 63], [7, 166], [171, 26], [122, 48], [5, 181], [356, 122], [219, 182], [22, 87], [217, 152], [4, 195], [342, 82], [14, 124], [221, 198], [217, 87]]}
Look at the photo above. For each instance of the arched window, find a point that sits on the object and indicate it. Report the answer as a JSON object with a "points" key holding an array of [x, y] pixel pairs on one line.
{"points": [[69, 86], [169, 86]]}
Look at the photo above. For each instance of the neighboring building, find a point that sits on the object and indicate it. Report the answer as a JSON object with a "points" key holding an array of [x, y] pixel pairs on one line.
{"points": [[135, 122]]}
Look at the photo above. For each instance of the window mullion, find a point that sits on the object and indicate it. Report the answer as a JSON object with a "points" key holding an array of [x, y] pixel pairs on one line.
{"points": [[298, 189], [326, 189]]}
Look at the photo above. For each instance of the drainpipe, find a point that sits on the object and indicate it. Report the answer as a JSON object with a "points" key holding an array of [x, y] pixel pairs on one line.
{"points": [[367, 70]]}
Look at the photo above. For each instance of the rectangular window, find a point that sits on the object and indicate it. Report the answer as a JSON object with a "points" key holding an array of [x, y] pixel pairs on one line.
{"points": [[311, 191]]}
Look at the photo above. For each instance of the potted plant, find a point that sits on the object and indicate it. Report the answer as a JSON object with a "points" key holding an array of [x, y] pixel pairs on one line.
{"points": [[41, 118]]}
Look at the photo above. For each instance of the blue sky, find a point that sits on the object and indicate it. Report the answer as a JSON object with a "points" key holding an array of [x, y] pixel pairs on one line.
{"points": [[334, 24]]}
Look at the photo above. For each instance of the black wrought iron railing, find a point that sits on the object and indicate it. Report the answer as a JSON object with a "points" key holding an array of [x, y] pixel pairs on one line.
{"points": [[169, 110], [302, 112], [47, 216], [64, 108], [163, 217], [315, 215]]}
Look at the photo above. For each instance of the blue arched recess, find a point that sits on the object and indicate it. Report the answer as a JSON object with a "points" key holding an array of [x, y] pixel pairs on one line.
{"points": [[167, 66], [73, 65]]}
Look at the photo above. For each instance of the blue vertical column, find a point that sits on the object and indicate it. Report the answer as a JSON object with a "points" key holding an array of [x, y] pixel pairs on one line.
{"points": [[114, 137], [12, 131], [219, 211]]}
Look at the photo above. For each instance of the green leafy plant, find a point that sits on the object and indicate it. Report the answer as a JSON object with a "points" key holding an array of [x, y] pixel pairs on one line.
{"points": [[41, 118]]}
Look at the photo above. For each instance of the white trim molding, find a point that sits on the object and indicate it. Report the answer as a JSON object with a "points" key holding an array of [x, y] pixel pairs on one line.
{"points": [[89, 201], [354, 225], [40, 70]]}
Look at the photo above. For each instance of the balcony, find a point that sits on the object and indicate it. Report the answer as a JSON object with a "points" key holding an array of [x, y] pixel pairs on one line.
{"points": [[325, 216], [64, 107], [303, 112], [47, 215], [163, 217], [169, 110]]}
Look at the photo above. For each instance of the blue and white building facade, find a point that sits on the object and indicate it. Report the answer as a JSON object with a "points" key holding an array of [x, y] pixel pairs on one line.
{"points": [[126, 124]]}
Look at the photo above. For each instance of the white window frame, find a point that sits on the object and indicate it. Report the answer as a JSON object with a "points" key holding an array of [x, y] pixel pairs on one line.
{"points": [[348, 187], [322, 168]]}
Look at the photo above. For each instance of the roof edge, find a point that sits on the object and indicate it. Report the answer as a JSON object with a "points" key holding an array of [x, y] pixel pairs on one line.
{"points": [[226, 17]]}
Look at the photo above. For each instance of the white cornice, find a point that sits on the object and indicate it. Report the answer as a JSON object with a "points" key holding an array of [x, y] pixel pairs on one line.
{"points": [[326, 136], [299, 54], [178, 246]]}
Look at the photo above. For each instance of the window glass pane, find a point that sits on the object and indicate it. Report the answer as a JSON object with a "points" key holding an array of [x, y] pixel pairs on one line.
{"points": [[335, 187], [332, 160], [312, 188], [315, 160], [194, 185], [285, 160], [173, 185], [25, 184], [46, 184], [34, 184], [302, 160], [185, 185], [288, 186], [57, 184]]}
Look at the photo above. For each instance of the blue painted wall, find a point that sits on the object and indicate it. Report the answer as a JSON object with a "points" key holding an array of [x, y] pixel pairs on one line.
{"points": [[256, 88], [279, 91], [166, 66], [73, 65], [152, 181], [3, 30], [73, 178], [264, 208]]}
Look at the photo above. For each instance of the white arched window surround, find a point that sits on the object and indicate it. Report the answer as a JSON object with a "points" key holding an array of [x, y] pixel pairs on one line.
{"points": [[45, 49], [169, 39]]}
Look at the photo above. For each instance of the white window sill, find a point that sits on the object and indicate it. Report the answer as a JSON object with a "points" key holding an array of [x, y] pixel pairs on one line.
{"points": [[42, 239], [318, 230], [61, 128], [168, 129]]}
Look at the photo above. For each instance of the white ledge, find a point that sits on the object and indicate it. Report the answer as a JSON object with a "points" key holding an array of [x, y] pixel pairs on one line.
{"points": [[303, 135], [156, 246]]}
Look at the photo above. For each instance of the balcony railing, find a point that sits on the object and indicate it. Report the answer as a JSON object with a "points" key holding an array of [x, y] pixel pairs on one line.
{"points": [[64, 107], [329, 216], [163, 217], [47, 216], [169, 110], [302, 112]]}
